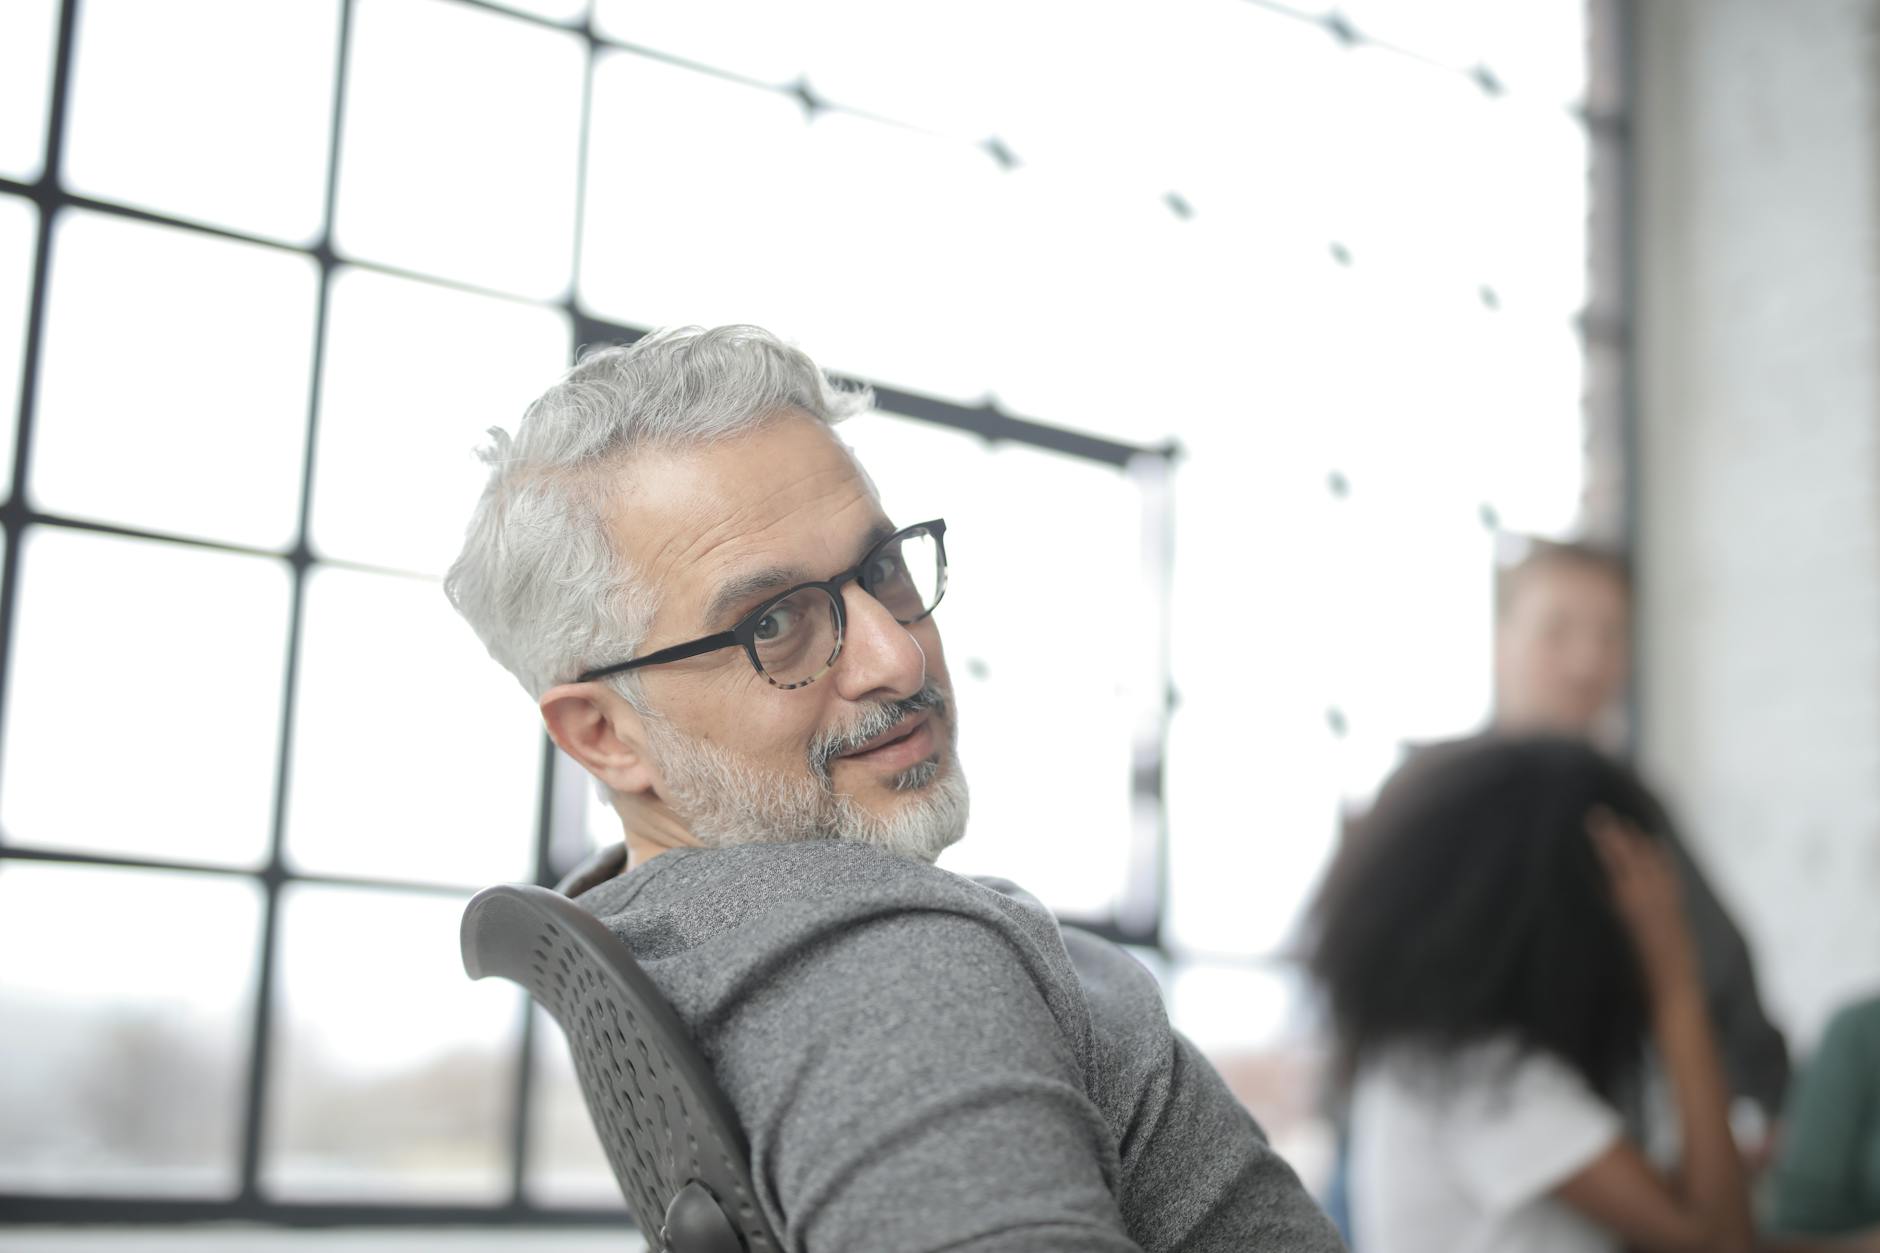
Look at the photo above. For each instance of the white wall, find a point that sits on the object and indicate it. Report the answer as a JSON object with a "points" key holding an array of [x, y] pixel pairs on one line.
{"points": [[1759, 470]]}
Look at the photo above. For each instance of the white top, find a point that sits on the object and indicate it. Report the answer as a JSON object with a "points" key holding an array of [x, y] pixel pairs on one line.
{"points": [[1461, 1155]]}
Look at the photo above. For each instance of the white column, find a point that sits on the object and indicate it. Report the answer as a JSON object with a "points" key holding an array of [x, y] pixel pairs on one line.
{"points": [[1759, 470]]}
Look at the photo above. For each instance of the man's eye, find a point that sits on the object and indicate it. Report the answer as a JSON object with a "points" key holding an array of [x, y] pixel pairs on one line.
{"points": [[775, 624], [883, 569]]}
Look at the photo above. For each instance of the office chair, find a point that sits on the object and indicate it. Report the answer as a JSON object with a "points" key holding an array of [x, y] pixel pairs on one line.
{"points": [[671, 1138]]}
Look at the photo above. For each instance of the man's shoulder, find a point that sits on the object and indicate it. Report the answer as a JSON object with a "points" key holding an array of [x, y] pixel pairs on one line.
{"points": [[737, 937], [766, 896], [816, 869]]}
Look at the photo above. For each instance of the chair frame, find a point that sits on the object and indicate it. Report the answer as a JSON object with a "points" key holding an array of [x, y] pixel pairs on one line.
{"points": [[671, 1138]]}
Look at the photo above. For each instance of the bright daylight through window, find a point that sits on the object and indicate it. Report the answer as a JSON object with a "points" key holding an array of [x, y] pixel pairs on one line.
{"points": [[1225, 336]]}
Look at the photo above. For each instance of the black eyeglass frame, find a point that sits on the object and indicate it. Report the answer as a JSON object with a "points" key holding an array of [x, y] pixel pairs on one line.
{"points": [[744, 634]]}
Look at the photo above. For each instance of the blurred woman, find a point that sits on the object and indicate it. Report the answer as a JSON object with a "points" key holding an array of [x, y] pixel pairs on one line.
{"points": [[1498, 942]]}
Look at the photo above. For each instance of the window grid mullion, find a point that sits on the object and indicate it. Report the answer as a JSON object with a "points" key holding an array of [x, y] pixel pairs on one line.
{"points": [[275, 875], [15, 519]]}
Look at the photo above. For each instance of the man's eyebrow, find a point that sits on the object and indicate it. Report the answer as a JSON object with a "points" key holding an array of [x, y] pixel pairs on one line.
{"points": [[876, 533], [776, 578], [745, 586]]}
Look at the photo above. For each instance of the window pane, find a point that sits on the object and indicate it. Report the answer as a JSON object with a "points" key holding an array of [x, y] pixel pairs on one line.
{"points": [[567, 1165], [1450, 32], [1218, 94], [720, 156], [196, 422], [1253, 597], [1406, 536], [748, 37], [415, 756], [1072, 253], [921, 471], [1540, 52], [1535, 214], [1239, 872], [1044, 596], [29, 32], [393, 1071], [415, 376], [1536, 51], [1068, 84], [902, 249], [1410, 192], [1533, 448], [19, 230], [874, 57], [127, 996], [462, 133], [168, 661], [553, 10], [1425, 677], [216, 110]]}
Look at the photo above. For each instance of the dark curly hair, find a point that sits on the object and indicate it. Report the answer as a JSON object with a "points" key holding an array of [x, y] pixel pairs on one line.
{"points": [[1470, 903]]}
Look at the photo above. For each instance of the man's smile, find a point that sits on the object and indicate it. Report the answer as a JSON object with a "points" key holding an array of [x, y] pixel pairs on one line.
{"points": [[904, 744]]}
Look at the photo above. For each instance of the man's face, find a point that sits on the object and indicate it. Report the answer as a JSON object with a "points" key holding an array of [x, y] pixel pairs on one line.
{"points": [[1560, 649], [866, 751]]}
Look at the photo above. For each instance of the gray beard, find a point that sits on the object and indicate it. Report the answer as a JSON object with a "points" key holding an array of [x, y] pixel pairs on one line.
{"points": [[726, 802]]}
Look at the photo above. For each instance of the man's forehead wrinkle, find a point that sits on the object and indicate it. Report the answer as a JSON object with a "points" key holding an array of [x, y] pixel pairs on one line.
{"points": [[761, 505], [691, 521], [708, 552], [685, 556], [751, 540]]}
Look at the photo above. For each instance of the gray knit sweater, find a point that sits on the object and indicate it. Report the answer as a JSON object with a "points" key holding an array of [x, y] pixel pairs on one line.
{"points": [[926, 1062]]}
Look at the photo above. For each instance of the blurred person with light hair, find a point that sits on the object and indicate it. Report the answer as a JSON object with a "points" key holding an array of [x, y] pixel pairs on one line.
{"points": [[1563, 641], [695, 580], [1562, 662]]}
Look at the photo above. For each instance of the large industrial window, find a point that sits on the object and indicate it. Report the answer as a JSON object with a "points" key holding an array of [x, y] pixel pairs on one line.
{"points": [[1278, 304]]}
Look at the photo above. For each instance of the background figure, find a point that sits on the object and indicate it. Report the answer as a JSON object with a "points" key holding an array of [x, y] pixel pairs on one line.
{"points": [[1498, 942], [1827, 1174], [1562, 661]]}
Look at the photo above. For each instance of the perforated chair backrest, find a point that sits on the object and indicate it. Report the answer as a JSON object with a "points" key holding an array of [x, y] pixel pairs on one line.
{"points": [[670, 1135]]}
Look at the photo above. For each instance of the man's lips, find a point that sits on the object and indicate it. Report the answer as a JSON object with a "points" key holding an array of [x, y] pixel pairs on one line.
{"points": [[908, 741]]}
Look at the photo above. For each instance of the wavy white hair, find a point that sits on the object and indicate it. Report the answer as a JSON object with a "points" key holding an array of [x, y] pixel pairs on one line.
{"points": [[538, 578]]}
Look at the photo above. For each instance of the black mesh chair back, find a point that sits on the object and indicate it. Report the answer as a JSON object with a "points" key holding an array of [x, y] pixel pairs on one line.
{"points": [[670, 1135]]}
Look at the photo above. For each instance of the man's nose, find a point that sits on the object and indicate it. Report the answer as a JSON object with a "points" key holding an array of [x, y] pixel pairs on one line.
{"points": [[881, 659]]}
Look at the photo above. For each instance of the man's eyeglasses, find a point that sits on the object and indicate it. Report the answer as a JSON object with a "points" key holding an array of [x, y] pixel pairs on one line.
{"points": [[792, 639]]}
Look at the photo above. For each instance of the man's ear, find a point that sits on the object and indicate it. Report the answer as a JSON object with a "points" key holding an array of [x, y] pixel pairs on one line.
{"points": [[593, 725]]}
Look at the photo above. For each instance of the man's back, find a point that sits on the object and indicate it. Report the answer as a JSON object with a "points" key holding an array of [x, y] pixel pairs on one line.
{"points": [[925, 1062]]}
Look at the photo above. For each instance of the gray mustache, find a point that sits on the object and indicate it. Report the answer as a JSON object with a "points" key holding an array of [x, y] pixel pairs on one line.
{"points": [[873, 721]]}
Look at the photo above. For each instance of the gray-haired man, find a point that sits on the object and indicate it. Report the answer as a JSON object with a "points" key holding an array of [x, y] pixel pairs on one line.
{"points": [[695, 579]]}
